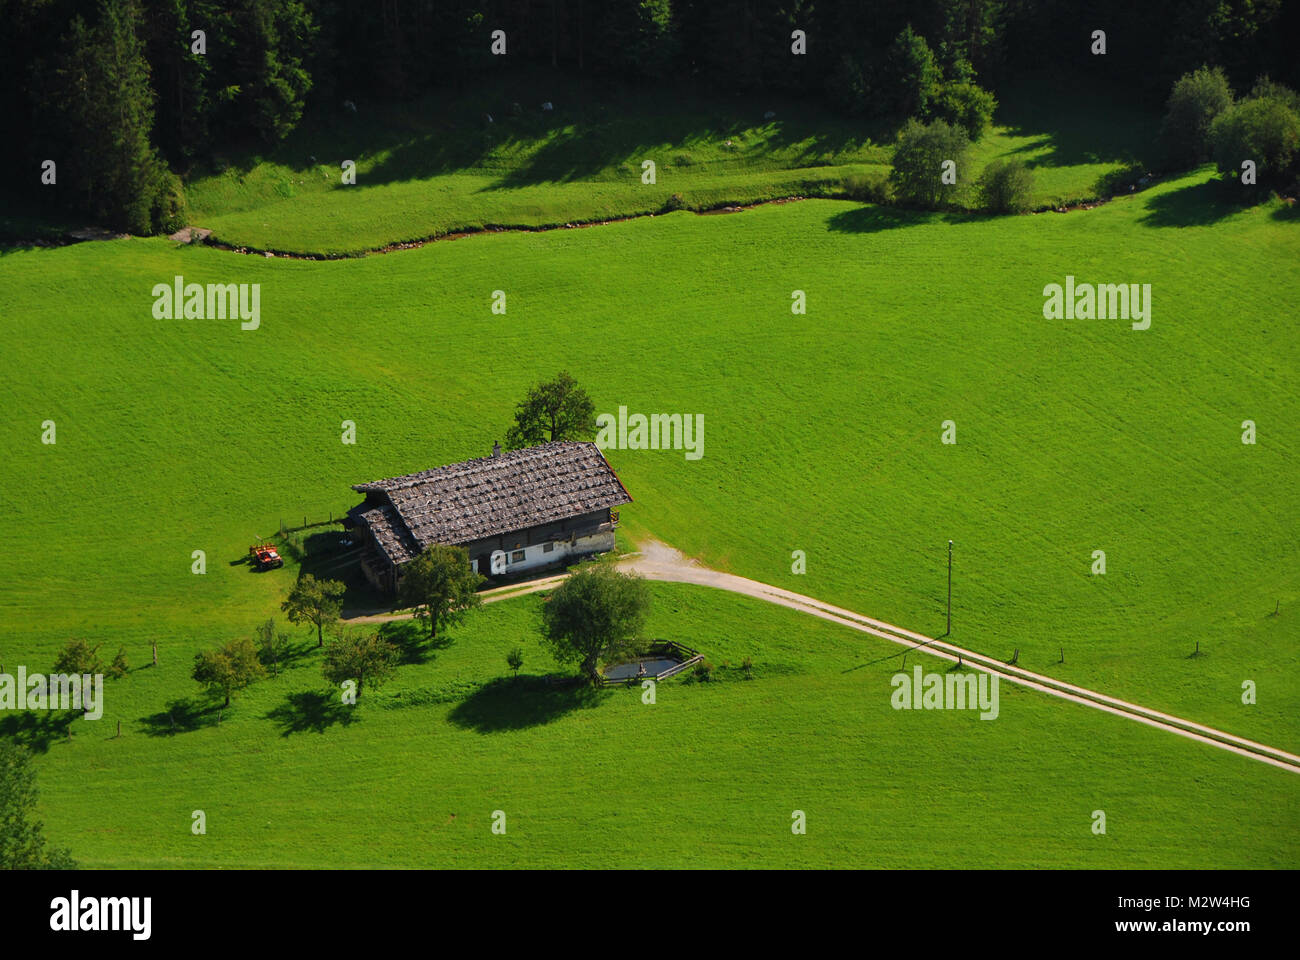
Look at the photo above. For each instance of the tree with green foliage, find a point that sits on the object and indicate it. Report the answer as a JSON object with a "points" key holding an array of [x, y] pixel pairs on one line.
{"points": [[596, 615], [1264, 130], [963, 104], [1006, 186], [556, 410], [848, 86], [920, 159], [912, 75], [271, 644], [1266, 89], [634, 39], [228, 668], [515, 660], [441, 585], [1195, 100], [275, 38], [79, 657], [318, 602], [23, 845], [181, 77], [368, 659], [119, 667], [102, 107]]}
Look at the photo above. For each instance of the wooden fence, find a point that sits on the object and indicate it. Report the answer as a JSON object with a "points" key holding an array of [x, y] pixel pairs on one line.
{"points": [[307, 526], [661, 648]]}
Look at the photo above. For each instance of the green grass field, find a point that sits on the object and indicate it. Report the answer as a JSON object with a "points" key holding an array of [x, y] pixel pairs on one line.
{"points": [[432, 168], [709, 775], [822, 435]]}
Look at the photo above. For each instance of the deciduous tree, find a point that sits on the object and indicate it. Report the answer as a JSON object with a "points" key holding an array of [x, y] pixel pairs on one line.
{"points": [[366, 659], [318, 602], [23, 845], [556, 410], [441, 585], [228, 668], [596, 615], [79, 657]]}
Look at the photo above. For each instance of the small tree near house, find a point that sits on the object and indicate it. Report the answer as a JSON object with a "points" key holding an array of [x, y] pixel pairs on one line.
{"points": [[271, 645], [441, 586], [228, 668], [596, 614], [556, 410], [365, 659], [318, 602]]}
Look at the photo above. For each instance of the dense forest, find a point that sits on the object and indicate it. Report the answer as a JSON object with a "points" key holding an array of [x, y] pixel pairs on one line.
{"points": [[128, 96]]}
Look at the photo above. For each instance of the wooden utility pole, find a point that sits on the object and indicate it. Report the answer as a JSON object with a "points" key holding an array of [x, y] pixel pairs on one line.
{"points": [[949, 633]]}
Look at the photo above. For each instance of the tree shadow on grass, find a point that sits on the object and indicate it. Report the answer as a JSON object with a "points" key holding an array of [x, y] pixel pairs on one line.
{"points": [[411, 638], [289, 657], [1199, 205], [873, 219], [310, 711], [1096, 125], [37, 729], [181, 716], [516, 703]]}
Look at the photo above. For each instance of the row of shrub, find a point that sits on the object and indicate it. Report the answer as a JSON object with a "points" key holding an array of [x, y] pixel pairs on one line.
{"points": [[1203, 121], [921, 161]]}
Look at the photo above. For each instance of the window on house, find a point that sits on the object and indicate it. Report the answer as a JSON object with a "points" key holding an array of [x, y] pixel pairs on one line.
{"points": [[517, 557], [547, 547]]}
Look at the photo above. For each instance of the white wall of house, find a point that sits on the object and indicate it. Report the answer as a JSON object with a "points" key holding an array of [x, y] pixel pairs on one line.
{"points": [[535, 556]]}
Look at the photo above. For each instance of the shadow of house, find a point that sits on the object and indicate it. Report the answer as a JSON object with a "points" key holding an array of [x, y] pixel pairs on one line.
{"points": [[517, 703], [311, 711], [322, 554], [181, 716]]}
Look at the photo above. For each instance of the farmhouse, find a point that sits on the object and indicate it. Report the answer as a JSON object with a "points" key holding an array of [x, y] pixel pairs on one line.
{"points": [[512, 511]]}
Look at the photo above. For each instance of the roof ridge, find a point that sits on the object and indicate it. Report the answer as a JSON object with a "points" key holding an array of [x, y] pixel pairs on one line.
{"points": [[488, 496], [467, 466]]}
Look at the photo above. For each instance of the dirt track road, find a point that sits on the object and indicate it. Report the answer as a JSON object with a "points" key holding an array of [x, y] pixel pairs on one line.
{"points": [[658, 561]]}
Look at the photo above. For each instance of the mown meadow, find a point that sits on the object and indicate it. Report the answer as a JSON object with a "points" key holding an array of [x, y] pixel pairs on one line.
{"points": [[437, 166], [822, 435], [708, 775]]}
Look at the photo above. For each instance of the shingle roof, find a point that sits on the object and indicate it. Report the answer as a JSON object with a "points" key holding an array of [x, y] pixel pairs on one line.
{"points": [[389, 530], [480, 498]]}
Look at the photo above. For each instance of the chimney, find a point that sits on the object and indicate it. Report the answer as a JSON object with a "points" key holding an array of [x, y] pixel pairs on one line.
{"points": [[496, 449]]}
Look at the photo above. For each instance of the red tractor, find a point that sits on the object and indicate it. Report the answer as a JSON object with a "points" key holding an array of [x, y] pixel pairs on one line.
{"points": [[264, 557]]}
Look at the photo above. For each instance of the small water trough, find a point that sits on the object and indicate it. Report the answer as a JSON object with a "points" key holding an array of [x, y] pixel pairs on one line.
{"points": [[663, 659]]}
